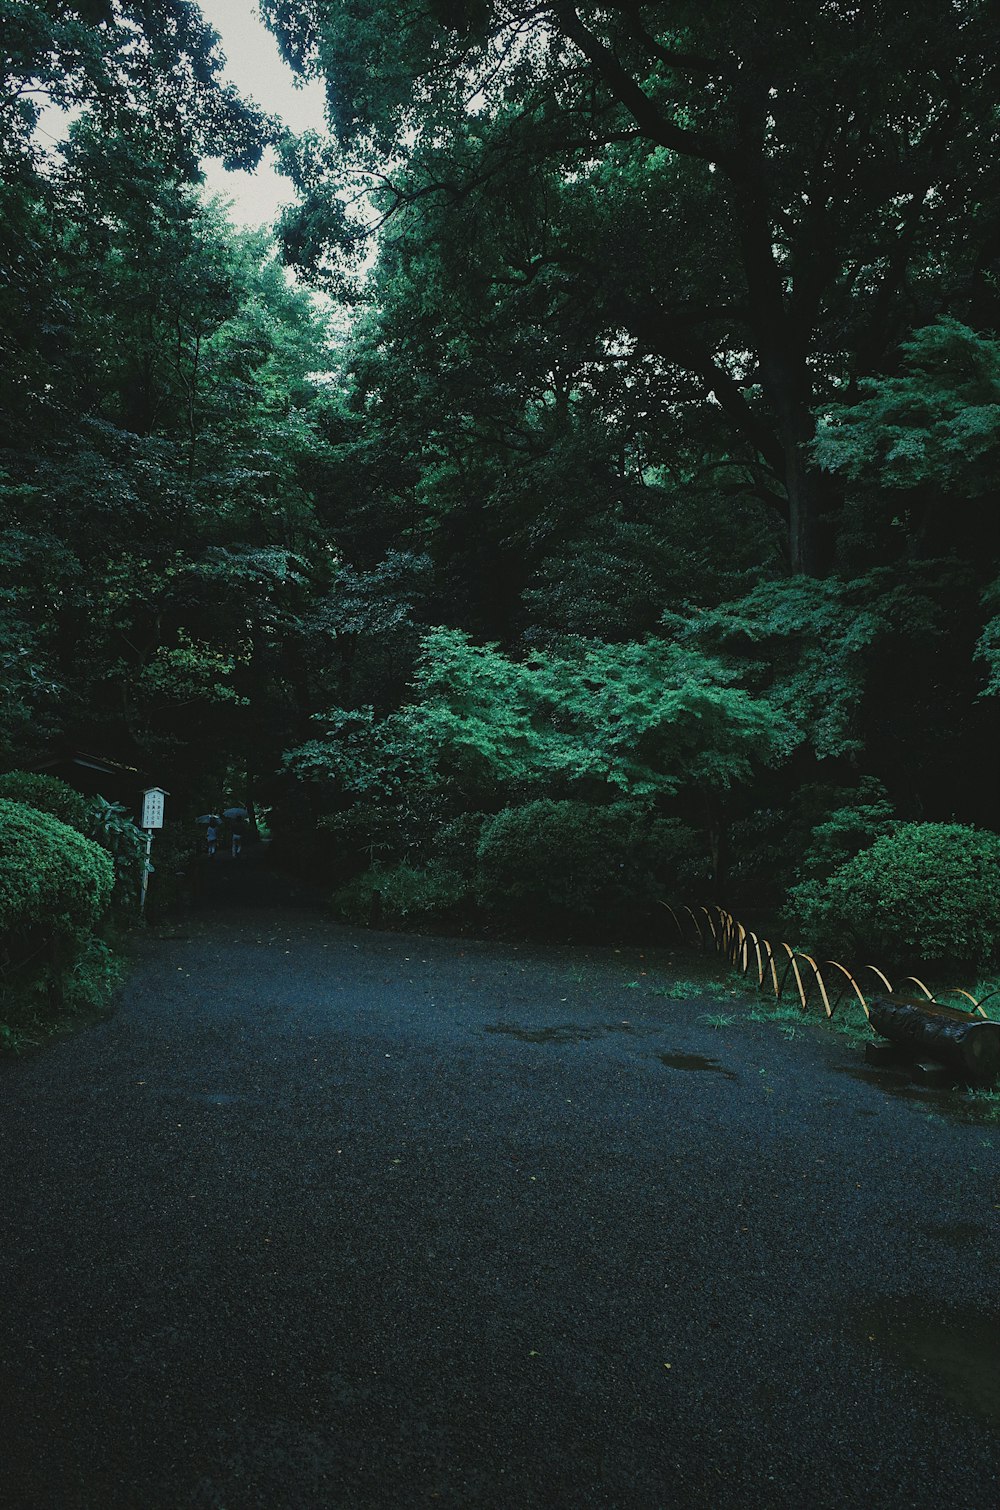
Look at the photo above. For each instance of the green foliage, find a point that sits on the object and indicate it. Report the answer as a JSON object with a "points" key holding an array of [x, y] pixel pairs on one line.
{"points": [[456, 843], [571, 423], [642, 718], [55, 887], [110, 824], [572, 864], [389, 796], [805, 640], [926, 892], [675, 545], [173, 855], [937, 423], [49, 795], [642, 229], [50, 875], [988, 648], [801, 832], [28, 692], [807, 647], [399, 895], [190, 672], [92, 978], [593, 721], [857, 818], [106, 822]]}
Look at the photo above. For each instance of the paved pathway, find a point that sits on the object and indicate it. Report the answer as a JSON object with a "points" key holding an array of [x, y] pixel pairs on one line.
{"points": [[331, 1218]]}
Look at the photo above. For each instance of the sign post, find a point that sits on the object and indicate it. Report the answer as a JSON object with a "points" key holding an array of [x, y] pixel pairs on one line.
{"points": [[152, 817]]}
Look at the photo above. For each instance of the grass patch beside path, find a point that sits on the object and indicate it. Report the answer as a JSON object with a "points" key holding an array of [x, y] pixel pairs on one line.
{"points": [[709, 978]]}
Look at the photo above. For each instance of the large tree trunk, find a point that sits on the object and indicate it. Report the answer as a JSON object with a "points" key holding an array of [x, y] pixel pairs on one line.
{"points": [[782, 345], [803, 486]]}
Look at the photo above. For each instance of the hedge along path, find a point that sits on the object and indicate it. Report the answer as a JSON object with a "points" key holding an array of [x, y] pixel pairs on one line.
{"points": [[745, 950]]}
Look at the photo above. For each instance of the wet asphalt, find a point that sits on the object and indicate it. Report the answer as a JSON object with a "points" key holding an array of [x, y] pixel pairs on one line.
{"points": [[326, 1217]]}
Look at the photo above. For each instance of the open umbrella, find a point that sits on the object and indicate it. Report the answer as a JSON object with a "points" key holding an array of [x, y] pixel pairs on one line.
{"points": [[235, 812], [208, 818]]}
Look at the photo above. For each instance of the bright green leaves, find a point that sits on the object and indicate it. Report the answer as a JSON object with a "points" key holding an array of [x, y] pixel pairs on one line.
{"points": [[50, 874], [938, 423], [645, 719], [802, 642], [188, 673], [923, 893], [808, 647]]}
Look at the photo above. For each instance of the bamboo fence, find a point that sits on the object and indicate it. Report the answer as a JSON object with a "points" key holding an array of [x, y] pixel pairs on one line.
{"points": [[775, 965]]}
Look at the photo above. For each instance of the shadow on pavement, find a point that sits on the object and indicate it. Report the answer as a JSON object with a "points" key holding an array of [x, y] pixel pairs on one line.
{"points": [[250, 880]]}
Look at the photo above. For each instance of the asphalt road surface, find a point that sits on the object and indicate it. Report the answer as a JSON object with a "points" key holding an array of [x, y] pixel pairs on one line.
{"points": [[334, 1218]]}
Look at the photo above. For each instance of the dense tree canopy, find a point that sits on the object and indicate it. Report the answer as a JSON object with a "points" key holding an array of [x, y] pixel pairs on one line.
{"points": [[637, 460], [163, 407], [749, 204]]}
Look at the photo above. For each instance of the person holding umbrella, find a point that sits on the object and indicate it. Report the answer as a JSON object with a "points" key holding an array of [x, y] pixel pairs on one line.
{"points": [[236, 817], [212, 823]]}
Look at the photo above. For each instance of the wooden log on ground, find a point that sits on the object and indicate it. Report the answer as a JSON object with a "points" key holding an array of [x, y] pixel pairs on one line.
{"points": [[969, 1045]]}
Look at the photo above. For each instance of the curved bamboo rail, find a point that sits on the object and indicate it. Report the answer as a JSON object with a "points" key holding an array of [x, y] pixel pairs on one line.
{"points": [[742, 949]]}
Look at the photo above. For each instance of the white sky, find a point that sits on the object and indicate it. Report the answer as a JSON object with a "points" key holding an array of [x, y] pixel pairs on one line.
{"points": [[255, 66]]}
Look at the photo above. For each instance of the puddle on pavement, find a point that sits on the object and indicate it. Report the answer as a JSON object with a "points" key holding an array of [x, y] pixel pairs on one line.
{"points": [[958, 1350], [695, 1062]]}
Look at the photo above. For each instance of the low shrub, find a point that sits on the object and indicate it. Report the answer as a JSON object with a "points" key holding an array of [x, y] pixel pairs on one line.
{"points": [[110, 825], [397, 895], [173, 857], [92, 977], [50, 875], [49, 795], [55, 888], [570, 864], [926, 892]]}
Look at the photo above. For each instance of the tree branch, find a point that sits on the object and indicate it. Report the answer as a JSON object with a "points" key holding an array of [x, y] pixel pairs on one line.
{"points": [[654, 125], [675, 342], [684, 62]]}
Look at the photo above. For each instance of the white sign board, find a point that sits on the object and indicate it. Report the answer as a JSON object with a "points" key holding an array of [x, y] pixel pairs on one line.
{"points": [[152, 807]]}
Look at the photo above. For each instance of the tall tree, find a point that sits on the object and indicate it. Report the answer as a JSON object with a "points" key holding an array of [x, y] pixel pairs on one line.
{"points": [[775, 193], [163, 427], [146, 76]]}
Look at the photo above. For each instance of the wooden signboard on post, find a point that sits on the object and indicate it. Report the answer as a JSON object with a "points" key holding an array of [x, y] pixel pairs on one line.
{"points": [[152, 807], [152, 817]]}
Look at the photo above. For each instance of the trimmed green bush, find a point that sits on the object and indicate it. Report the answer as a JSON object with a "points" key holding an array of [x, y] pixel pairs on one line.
{"points": [[567, 862], [109, 823], [50, 875], [55, 887], [49, 795], [927, 892]]}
